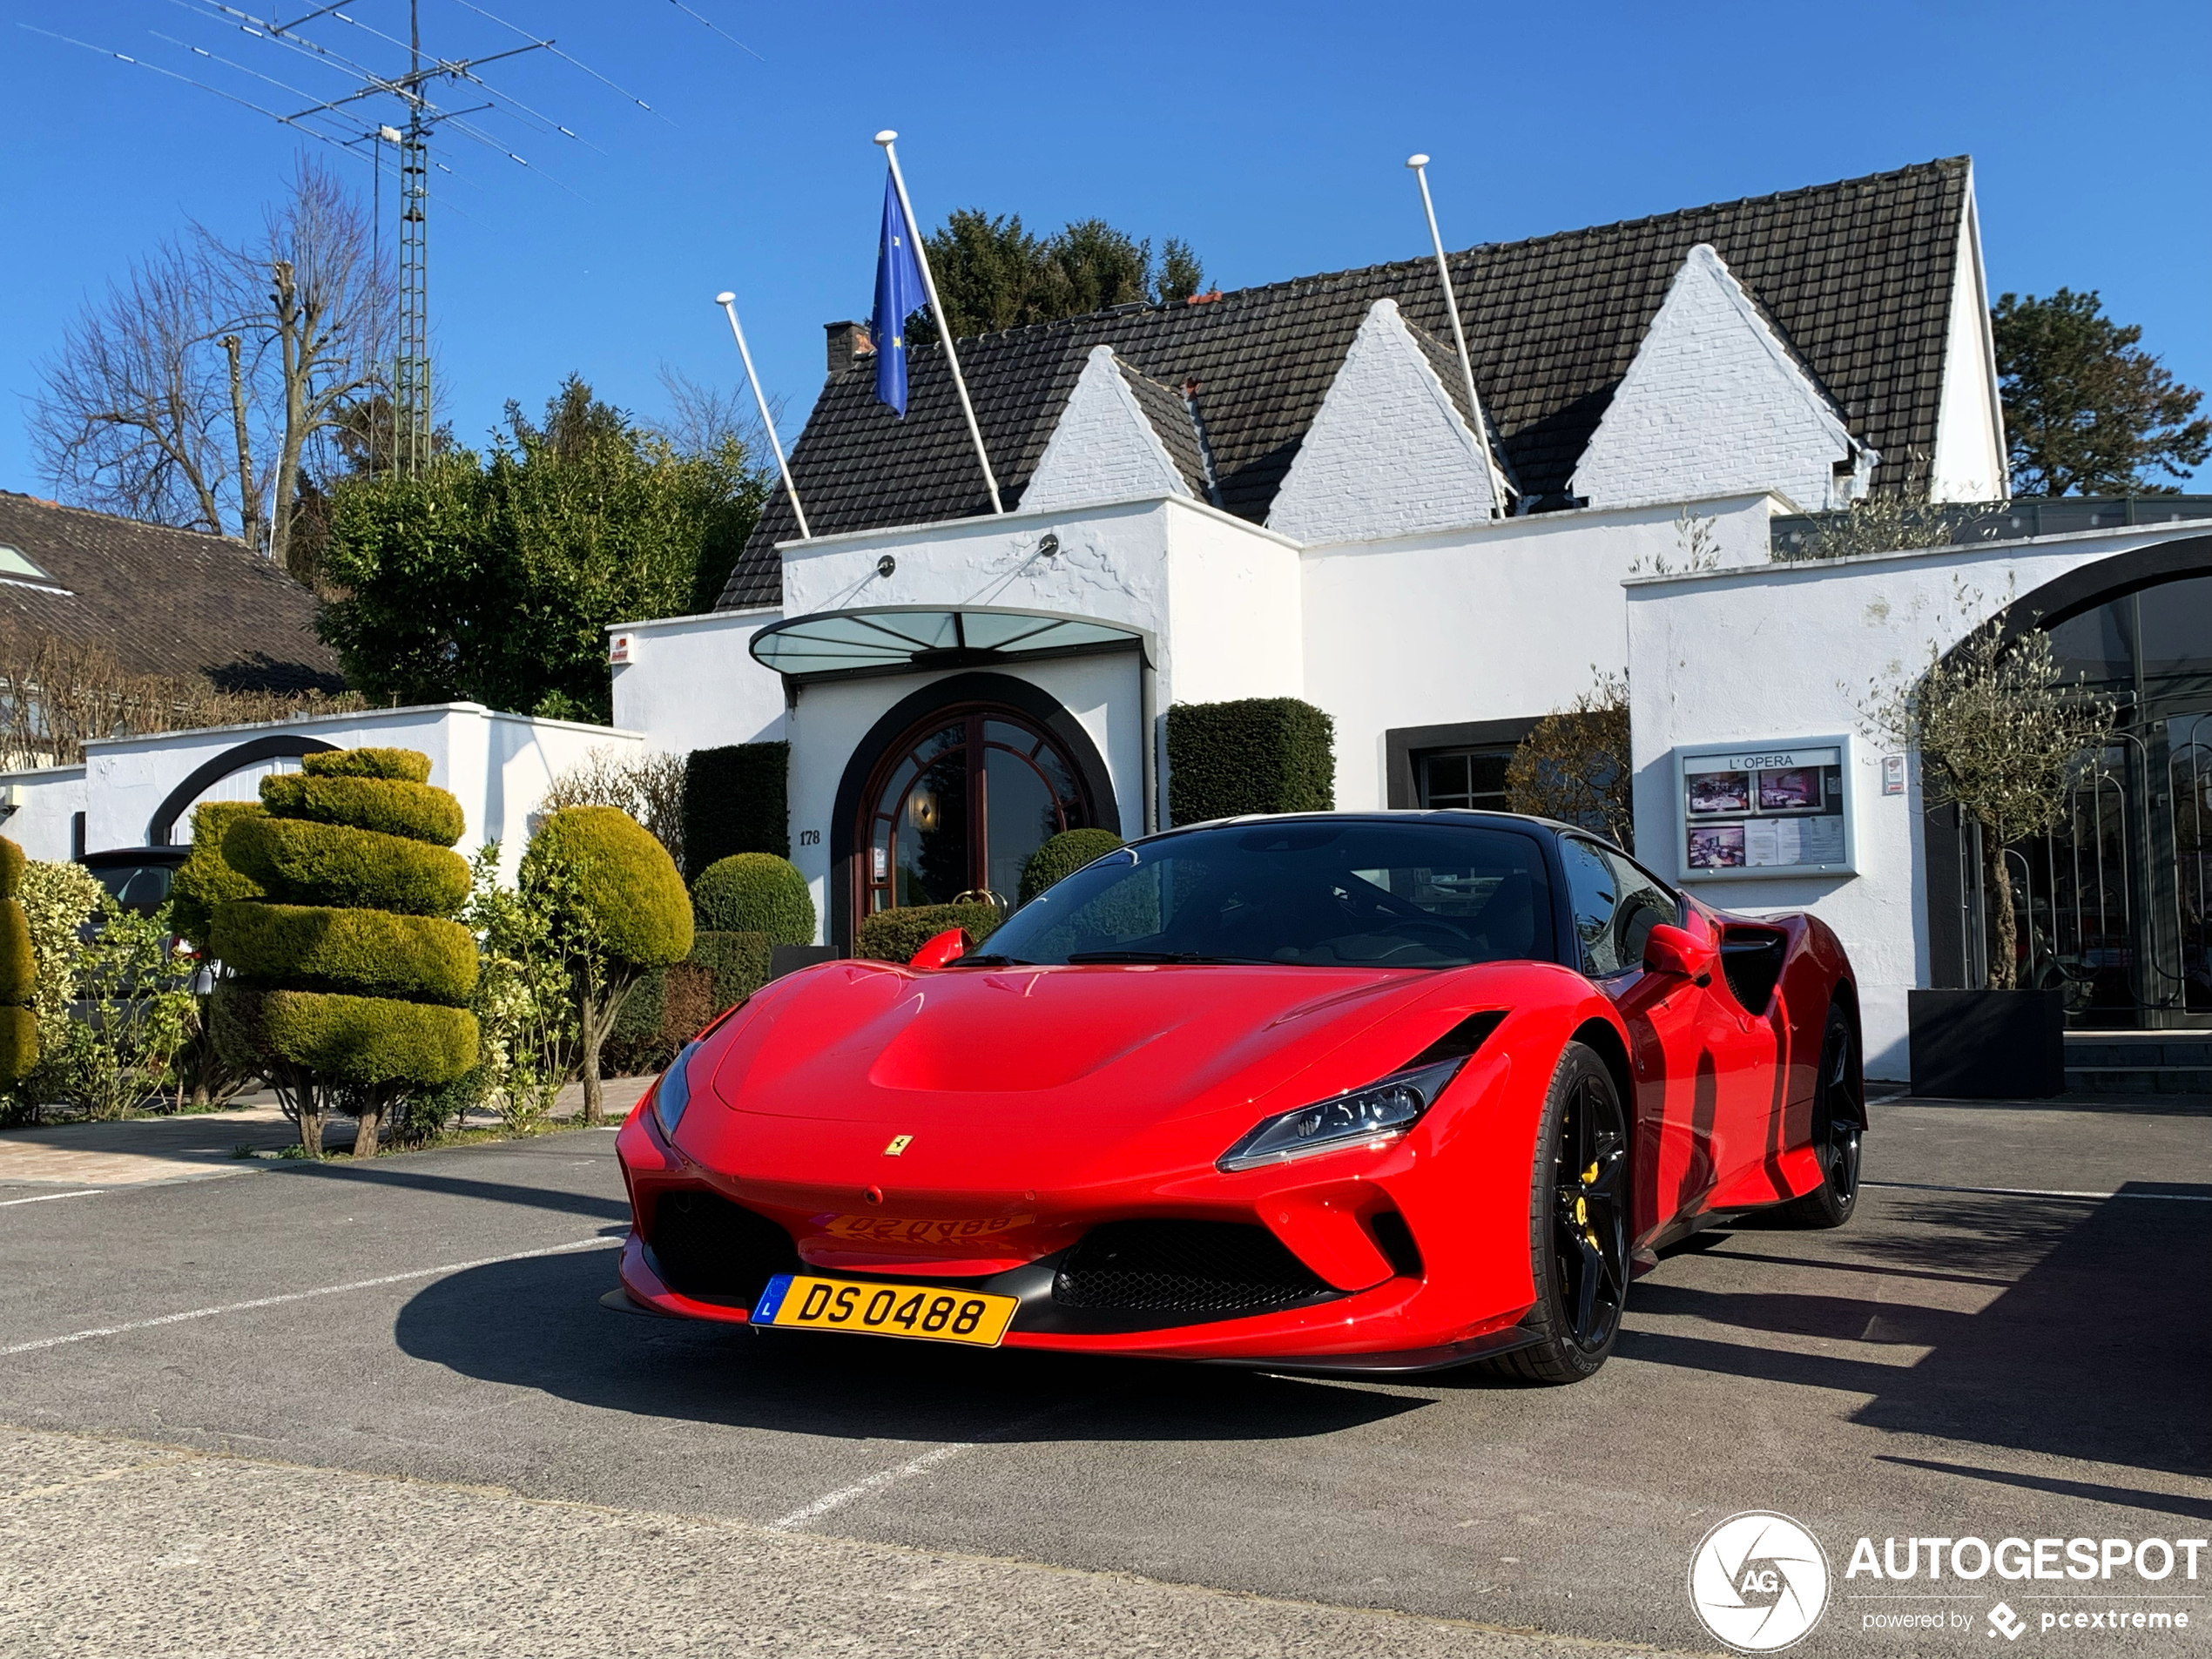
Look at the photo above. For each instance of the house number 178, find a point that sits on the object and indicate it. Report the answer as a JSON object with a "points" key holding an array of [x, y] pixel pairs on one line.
{"points": [[810, 838]]}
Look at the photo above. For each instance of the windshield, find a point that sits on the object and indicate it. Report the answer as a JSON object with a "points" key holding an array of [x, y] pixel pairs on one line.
{"points": [[1307, 892]]}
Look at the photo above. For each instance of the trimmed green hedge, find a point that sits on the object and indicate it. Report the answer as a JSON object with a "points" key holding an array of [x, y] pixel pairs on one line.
{"points": [[349, 1039], [755, 893], [735, 800], [18, 1044], [1062, 855], [11, 863], [299, 863], [1260, 754], [624, 876], [385, 805], [738, 962], [895, 936], [408, 766], [205, 878], [370, 953]]}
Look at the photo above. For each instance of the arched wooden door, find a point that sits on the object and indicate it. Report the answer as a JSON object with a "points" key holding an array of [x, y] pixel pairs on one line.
{"points": [[959, 803]]}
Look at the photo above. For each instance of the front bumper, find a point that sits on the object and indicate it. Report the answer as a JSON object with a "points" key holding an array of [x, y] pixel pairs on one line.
{"points": [[1449, 1283]]}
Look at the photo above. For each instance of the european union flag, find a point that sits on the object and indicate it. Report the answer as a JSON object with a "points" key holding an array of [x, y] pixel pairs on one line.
{"points": [[899, 294]]}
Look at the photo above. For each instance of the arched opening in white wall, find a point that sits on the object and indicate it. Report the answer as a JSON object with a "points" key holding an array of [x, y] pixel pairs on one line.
{"points": [[235, 774]]}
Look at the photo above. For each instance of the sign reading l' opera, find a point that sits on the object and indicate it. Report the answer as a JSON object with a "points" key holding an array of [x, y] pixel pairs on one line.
{"points": [[1766, 809]]}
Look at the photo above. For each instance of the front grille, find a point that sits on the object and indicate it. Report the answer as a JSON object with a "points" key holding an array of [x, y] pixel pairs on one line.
{"points": [[1183, 1267], [704, 1245]]}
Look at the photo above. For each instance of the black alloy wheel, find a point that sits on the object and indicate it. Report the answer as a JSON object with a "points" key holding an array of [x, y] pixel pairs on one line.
{"points": [[1578, 1233], [1837, 1126]]}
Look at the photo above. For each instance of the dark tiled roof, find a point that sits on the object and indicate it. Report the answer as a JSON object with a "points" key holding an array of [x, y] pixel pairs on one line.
{"points": [[164, 601], [1170, 417], [1858, 274]]}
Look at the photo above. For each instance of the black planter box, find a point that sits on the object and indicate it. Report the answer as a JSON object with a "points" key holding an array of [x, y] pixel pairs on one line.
{"points": [[1988, 1045]]}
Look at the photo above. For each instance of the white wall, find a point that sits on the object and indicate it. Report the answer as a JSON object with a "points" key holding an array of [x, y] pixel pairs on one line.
{"points": [[47, 802], [1103, 448], [1102, 693], [692, 684], [1781, 652], [1499, 621], [1388, 453], [497, 765], [1713, 403], [1969, 463]]}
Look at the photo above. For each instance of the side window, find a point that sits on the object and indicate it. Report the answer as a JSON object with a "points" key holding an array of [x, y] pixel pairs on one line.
{"points": [[1594, 893], [1643, 904]]}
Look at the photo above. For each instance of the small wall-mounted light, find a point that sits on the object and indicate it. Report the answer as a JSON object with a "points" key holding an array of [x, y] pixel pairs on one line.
{"points": [[886, 565], [1047, 547]]}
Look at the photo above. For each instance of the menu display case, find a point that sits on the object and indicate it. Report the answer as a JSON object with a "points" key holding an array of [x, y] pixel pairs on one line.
{"points": [[1754, 812]]}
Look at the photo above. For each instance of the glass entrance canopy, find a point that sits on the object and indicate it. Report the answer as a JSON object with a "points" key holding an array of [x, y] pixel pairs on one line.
{"points": [[891, 639]]}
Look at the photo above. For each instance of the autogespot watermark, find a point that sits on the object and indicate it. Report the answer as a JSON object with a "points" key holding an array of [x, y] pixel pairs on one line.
{"points": [[1760, 1582]]}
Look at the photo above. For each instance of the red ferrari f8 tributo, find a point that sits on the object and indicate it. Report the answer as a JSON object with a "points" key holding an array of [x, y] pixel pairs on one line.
{"points": [[1365, 1092]]}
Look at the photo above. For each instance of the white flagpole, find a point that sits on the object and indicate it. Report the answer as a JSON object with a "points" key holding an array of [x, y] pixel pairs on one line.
{"points": [[1419, 163], [937, 312], [729, 303]]}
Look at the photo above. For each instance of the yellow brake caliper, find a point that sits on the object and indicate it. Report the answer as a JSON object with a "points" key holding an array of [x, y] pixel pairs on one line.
{"points": [[1583, 1208]]}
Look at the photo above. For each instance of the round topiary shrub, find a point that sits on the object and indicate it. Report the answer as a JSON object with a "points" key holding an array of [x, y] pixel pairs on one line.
{"points": [[1064, 854], [895, 936], [755, 893], [350, 980], [18, 972], [618, 910]]}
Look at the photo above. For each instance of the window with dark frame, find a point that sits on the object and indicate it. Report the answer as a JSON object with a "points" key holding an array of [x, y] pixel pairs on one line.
{"points": [[1472, 779]]}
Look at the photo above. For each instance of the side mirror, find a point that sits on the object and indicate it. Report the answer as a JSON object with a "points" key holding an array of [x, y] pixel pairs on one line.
{"points": [[1675, 950], [947, 946]]}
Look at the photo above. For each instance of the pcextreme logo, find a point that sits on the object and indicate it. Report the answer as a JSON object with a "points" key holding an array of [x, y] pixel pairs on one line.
{"points": [[1759, 1582]]}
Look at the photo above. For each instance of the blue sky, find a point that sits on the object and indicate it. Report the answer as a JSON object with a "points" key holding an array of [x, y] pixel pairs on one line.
{"points": [[1271, 136]]}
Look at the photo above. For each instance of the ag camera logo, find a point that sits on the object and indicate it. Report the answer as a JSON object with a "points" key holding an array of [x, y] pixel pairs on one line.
{"points": [[1759, 1582]]}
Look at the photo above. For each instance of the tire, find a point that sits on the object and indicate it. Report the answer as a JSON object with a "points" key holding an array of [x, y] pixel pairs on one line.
{"points": [[1836, 1130], [1578, 1225]]}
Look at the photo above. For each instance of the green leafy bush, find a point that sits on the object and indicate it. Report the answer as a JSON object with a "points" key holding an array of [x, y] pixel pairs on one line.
{"points": [[369, 953], [385, 805], [206, 878], [895, 936], [625, 883], [360, 1041], [1064, 854], [737, 962], [735, 800], [299, 863], [1259, 754], [407, 765], [18, 1044], [755, 893]]}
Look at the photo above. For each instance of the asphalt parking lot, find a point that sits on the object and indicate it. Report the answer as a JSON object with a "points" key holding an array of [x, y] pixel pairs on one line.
{"points": [[381, 1410]]}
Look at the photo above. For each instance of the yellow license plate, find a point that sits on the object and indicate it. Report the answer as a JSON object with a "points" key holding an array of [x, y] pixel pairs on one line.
{"points": [[801, 1302]]}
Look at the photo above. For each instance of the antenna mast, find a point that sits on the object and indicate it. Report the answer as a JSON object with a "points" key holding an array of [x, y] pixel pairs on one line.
{"points": [[411, 369]]}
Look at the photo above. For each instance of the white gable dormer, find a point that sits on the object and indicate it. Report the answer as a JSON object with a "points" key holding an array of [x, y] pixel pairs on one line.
{"points": [[1103, 448], [1389, 452], [1715, 404]]}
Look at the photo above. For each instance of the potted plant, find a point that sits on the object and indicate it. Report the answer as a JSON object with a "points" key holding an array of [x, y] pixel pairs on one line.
{"points": [[1997, 735]]}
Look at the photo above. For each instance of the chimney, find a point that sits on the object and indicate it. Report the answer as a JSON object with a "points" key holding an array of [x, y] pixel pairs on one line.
{"points": [[847, 341]]}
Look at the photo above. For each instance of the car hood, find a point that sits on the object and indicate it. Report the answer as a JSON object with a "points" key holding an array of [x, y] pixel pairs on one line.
{"points": [[991, 1070]]}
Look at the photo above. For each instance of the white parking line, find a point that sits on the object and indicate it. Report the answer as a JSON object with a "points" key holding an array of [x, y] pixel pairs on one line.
{"points": [[2041, 1192], [913, 1466], [304, 1296], [48, 1197]]}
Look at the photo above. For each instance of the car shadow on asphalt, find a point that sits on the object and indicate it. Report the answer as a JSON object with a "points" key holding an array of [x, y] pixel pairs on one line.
{"points": [[2097, 1349], [537, 1324], [453, 1186]]}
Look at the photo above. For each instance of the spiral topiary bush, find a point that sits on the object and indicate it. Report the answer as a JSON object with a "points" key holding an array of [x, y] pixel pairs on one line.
{"points": [[1064, 854], [19, 972], [755, 893], [350, 979], [206, 878]]}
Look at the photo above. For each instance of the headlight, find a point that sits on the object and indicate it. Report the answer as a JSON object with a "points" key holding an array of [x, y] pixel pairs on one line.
{"points": [[1386, 1108], [674, 1093]]}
